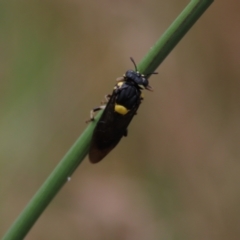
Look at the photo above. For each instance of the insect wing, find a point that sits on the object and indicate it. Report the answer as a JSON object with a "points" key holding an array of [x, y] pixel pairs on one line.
{"points": [[110, 128]]}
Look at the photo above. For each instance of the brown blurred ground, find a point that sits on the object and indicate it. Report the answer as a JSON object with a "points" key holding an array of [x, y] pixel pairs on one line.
{"points": [[177, 174]]}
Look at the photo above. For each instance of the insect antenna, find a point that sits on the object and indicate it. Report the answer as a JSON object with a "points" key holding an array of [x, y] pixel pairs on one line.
{"points": [[149, 74], [135, 65]]}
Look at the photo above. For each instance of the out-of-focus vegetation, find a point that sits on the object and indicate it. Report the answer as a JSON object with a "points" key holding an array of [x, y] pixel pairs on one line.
{"points": [[176, 176]]}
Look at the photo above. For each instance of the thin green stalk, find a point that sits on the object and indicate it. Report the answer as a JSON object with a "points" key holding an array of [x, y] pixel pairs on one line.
{"points": [[79, 150], [173, 35]]}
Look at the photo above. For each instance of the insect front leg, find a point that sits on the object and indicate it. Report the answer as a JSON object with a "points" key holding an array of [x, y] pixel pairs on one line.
{"points": [[107, 97], [92, 113]]}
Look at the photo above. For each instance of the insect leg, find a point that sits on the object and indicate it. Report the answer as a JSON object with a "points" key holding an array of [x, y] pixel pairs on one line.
{"points": [[120, 79], [125, 133], [107, 97], [92, 113]]}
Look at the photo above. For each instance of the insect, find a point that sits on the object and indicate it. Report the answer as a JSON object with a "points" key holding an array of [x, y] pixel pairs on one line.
{"points": [[120, 108]]}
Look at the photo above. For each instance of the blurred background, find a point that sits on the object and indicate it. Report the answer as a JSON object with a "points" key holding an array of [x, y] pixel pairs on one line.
{"points": [[176, 176]]}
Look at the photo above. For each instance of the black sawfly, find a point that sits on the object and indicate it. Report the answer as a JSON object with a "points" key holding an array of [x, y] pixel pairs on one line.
{"points": [[119, 109]]}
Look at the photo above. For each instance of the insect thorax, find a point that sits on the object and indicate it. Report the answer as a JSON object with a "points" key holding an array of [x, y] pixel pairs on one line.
{"points": [[128, 96]]}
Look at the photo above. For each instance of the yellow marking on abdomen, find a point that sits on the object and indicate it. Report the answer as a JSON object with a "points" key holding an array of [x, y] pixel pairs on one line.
{"points": [[120, 109]]}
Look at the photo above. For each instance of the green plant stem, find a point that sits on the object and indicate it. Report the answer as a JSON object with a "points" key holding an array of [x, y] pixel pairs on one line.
{"points": [[79, 150], [173, 35]]}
